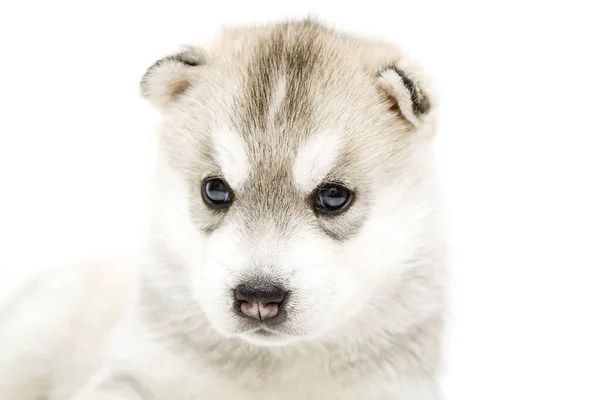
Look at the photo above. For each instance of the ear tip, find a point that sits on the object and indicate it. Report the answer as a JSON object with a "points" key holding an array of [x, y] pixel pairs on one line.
{"points": [[420, 101], [190, 56], [165, 79]]}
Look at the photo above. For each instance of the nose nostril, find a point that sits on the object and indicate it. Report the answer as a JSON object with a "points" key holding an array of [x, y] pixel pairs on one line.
{"points": [[259, 300]]}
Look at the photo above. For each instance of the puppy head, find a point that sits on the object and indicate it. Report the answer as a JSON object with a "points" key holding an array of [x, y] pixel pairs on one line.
{"points": [[294, 183]]}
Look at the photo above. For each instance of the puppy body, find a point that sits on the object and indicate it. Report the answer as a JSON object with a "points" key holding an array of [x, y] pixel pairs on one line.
{"points": [[277, 112]]}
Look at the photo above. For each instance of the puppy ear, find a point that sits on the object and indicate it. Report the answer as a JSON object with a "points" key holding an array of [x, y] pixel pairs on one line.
{"points": [[171, 76], [406, 95]]}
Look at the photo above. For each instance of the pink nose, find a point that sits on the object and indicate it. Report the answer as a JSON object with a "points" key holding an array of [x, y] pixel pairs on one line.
{"points": [[259, 301], [259, 310]]}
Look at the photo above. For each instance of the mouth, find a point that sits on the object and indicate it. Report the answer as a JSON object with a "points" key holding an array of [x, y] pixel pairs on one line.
{"points": [[264, 332], [264, 336]]}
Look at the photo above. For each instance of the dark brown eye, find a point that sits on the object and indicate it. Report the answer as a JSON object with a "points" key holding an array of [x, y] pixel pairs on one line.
{"points": [[216, 193], [331, 199]]}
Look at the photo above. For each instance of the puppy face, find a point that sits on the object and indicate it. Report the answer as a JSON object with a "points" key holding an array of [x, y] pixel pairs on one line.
{"points": [[294, 178]]}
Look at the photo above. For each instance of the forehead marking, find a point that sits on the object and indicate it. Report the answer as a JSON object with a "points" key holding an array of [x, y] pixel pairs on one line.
{"points": [[277, 99], [315, 159], [230, 154], [283, 67]]}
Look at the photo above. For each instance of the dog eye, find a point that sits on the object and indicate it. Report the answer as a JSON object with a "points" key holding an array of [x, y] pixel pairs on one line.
{"points": [[331, 199], [216, 193]]}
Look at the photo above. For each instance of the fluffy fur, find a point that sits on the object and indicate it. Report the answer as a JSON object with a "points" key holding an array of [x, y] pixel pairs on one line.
{"points": [[275, 110]]}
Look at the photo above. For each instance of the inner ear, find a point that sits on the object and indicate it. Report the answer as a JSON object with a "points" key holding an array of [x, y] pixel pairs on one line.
{"points": [[393, 105], [406, 97], [169, 77]]}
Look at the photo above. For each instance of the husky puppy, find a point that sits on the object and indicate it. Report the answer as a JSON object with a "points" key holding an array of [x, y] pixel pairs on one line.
{"points": [[295, 250]]}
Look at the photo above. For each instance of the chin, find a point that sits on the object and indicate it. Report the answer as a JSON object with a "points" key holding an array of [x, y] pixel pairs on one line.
{"points": [[267, 338]]}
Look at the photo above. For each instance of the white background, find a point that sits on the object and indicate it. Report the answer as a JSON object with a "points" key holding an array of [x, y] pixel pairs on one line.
{"points": [[518, 149]]}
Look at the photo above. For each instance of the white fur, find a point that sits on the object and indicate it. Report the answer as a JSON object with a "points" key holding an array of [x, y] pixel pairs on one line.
{"points": [[94, 351], [365, 312], [315, 159], [231, 156], [278, 98]]}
